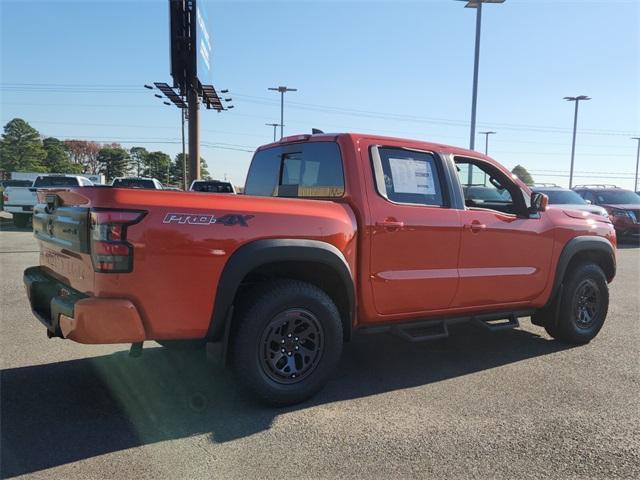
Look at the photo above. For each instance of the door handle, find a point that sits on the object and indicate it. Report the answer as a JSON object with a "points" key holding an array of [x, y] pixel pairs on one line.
{"points": [[475, 226], [390, 224]]}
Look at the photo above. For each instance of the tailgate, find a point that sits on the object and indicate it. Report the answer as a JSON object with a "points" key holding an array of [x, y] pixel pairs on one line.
{"points": [[61, 224]]}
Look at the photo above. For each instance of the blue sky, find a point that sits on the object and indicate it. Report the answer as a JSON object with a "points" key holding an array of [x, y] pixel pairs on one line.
{"points": [[391, 67]]}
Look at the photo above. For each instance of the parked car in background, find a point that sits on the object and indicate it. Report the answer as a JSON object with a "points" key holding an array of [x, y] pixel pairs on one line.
{"points": [[212, 186], [623, 206], [484, 196], [137, 182], [560, 197], [12, 183], [19, 201]]}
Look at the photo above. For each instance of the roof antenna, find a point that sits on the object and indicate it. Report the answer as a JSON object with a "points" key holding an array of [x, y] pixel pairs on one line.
{"points": [[315, 131]]}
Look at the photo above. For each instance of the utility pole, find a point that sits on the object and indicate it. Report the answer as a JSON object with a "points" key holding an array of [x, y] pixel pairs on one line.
{"points": [[282, 91], [635, 183], [194, 135], [184, 157], [274, 125], [575, 125], [486, 141]]}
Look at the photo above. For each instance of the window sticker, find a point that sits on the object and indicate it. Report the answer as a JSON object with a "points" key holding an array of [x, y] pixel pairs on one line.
{"points": [[412, 176]]}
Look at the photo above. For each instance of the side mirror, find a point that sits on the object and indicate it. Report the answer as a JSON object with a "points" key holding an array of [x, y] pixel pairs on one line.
{"points": [[539, 202], [588, 202]]}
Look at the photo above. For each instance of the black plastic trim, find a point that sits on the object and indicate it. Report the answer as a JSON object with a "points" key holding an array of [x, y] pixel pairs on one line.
{"points": [[575, 246], [263, 252]]}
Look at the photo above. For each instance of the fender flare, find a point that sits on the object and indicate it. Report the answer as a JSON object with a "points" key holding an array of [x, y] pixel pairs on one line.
{"points": [[262, 252], [575, 246]]}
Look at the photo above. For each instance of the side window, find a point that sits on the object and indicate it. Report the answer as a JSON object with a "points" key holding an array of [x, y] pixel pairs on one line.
{"points": [[484, 186], [407, 176]]}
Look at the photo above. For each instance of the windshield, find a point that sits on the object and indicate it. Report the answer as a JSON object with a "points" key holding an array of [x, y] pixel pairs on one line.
{"points": [[133, 183], [617, 197], [567, 197], [56, 182], [213, 187]]}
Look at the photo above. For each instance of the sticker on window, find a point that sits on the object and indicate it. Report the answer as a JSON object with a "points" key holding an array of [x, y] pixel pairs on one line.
{"points": [[412, 176]]}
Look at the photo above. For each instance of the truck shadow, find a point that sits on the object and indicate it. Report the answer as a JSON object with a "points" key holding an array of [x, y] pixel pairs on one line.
{"points": [[64, 412]]}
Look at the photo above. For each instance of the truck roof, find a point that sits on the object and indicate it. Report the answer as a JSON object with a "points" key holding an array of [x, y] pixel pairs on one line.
{"points": [[324, 137]]}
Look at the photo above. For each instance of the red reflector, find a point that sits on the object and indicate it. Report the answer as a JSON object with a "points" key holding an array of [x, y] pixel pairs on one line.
{"points": [[115, 216], [106, 248]]}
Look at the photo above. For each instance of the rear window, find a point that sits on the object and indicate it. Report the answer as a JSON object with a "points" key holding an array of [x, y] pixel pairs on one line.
{"points": [[56, 182], [134, 183], [17, 183], [304, 170], [213, 187]]}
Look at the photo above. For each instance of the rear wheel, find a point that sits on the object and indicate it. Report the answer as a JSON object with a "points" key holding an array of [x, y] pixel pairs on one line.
{"points": [[21, 220], [583, 306], [286, 341]]}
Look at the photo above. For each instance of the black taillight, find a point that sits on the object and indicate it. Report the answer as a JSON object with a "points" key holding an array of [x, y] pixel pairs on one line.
{"points": [[110, 251]]}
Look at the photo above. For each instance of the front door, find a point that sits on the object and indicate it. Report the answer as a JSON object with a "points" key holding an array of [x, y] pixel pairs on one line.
{"points": [[415, 235], [505, 255]]}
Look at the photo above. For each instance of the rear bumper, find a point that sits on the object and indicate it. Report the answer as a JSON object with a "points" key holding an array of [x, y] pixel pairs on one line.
{"points": [[70, 314]]}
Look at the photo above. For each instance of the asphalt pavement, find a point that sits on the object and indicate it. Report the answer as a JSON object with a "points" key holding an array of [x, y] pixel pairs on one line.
{"points": [[513, 404]]}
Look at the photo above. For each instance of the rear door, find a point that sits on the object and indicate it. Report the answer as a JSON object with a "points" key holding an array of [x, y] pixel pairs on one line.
{"points": [[415, 234]]}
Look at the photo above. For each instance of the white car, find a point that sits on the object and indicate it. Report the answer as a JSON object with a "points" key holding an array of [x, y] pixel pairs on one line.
{"points": [[137, 182], [212, 186], [19, 201], [564, 198]]}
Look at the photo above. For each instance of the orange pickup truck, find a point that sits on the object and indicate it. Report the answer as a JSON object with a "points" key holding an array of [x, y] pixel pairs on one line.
{"points": [[335, 235]]}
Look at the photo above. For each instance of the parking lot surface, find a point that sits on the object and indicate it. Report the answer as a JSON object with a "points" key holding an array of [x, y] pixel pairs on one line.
{"points": [[513, 404]]}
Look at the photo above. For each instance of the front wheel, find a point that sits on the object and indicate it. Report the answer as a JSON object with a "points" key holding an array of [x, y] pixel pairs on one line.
{"points": [[286, 341], [583, 307]]}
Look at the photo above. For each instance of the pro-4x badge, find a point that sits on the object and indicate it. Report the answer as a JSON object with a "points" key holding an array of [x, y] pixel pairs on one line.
{"points": [[228, 220]]}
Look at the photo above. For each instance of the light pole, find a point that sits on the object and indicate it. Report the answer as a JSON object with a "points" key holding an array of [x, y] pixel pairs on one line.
{"points": [[282, 91], [477, 4], [575, 124], [274, 125], [635, 183], [486, 141]]}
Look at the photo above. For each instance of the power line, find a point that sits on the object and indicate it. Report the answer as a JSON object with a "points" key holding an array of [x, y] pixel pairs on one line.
{"points": [[331, 109]]}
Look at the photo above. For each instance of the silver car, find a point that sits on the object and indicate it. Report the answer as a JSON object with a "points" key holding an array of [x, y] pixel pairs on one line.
{"points": [[564, 198]]}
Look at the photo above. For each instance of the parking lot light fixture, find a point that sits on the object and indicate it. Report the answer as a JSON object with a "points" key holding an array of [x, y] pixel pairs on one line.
{"points": [[282, 90], [486, 140], [575, 124], [635, 183], [477, 4]]}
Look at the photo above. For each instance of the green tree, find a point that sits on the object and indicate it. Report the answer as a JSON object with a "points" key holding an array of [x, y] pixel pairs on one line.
{"points": [[21, 148], [114, 162], [522, 173], [58, 159], [138, 156], [176, 169], [157, 165]]}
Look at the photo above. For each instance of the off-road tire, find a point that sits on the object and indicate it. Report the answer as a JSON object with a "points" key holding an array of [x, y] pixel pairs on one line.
{"points": [[583, 306], [286, 341]]}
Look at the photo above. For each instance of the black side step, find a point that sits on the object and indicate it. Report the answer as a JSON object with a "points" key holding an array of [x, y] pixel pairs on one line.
{"points": [[496, 324], [421, 333], [434, 329]]}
